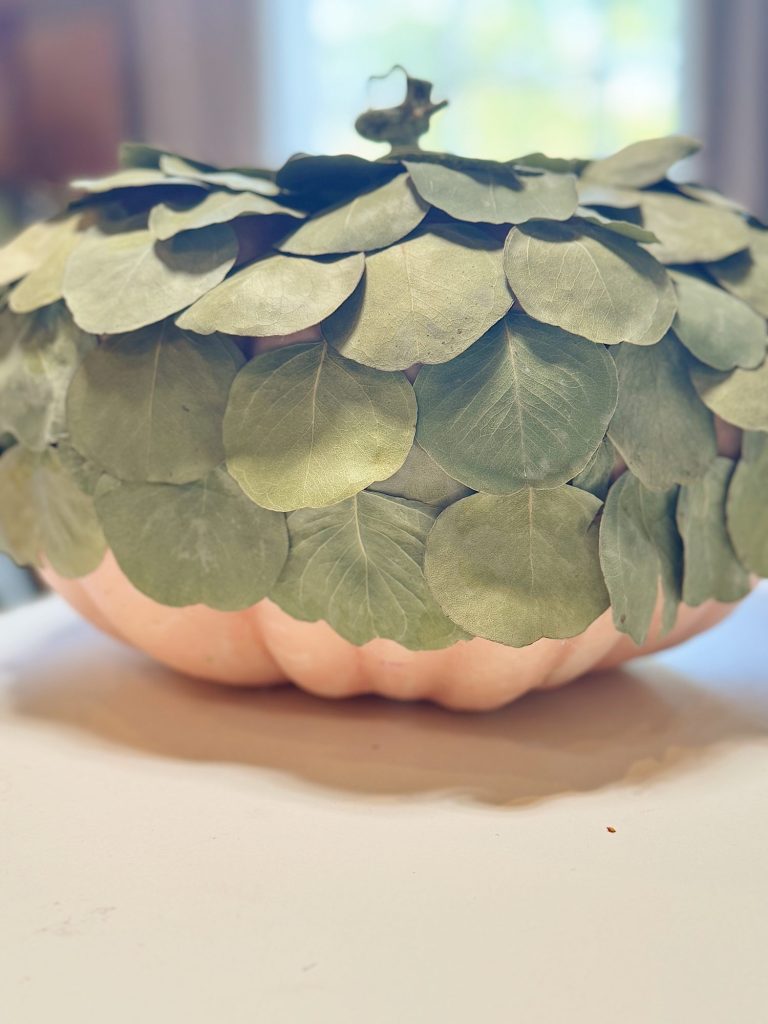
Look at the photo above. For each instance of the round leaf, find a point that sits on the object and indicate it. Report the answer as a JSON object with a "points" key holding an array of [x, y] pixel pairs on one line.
{"points": [[201, 543], [44, 284], [661, 429], [133, 177], [358, 566], [589, 281], [745, 275], [167, 220], [421, 479], [716, 327], [526, 406], [691, 232], [305, 427], [641, 163], [120, 282], [424, 300], [149, 406], [496, 197], [236, 181], [518, 567], [740, 397], [594, 194], [276, 295], [372, 220], [32, 247], [597, 474], [746, 505]]}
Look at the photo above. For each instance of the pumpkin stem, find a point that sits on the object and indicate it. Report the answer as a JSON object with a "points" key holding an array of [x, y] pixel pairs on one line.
{"points": [[401, 126]]}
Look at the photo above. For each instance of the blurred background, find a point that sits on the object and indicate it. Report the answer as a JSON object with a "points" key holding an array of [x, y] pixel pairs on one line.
{"points": [[252, 81]]}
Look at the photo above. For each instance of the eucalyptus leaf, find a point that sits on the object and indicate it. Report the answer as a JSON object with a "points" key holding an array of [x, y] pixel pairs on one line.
{"points": [[39, 355], [139, 154], [424, 300], [120, 282], [711, 567], [358, 566], [33, 246], [133, 177], [327, 179], [719, 329], [518, 567], [745, 275], [148, 406], [594, 194], [589, 281], [306, 427], [421, 479], [691, 232], [44, 285], [493, 196], [85, 473], [190, 172], [747, 504], [526, 406], [641, 163], [201, 543], [597, 475], [621, 227], [44, 517], [372, 220], [276, 295], [739, 397], [711, 196], [167, 219], [641, 550], [660, 428], [542, 162]]}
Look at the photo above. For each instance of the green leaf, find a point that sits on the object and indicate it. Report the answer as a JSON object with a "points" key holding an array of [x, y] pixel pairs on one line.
{"points": [[168, 219], [44, 516], [711, 196], [424, 300], [661, 429], [641, 549], [305, 427], [372, 220], [641, 163], [739, 398], [625, 228], [526, 406], [43, 285], [589, 281], [495, 197], [237, 181], [719, 329], [149, 406], [133, 177], [745, 275], [323, 180], [32, 247], [596, 475], [711, 566], [518, 567], [201, 543], [542, 162], [594, 194], [120, 282], [747, 503], [421, 479], [276, 295], [691, 232], [138, 154], [39, 355], [84, 472], [358, 566]]}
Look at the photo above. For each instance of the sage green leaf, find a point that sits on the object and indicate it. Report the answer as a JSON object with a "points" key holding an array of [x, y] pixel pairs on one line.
{"points": [[120, 282], [44, 285], [148, 406], [326, 179], [168, 219], [542, 162], [739, 397], [421, 479], [641, 163], [495, 197], [711, 567], [526, 406], [44, 517], [711, 196], [84, 472], [747, 505], [597, 474], [133, 177], [661, 429], [358, 566], [423, 300], [276, 295], [33, 246], [372, 220], [589, 281], [235, 181], [518, 567], [594, 194], [201, 543], [745, 275], [39, 355], [640, 550], [139, 154], [691, 232], [621, 227], [305, 427], [719, 329]]}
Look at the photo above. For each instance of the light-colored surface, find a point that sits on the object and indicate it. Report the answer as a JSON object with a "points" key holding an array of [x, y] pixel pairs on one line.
{"points": [[170, 851]]}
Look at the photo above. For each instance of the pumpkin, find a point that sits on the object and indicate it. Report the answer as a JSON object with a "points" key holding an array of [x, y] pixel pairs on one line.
{"points": [[425, 426]]}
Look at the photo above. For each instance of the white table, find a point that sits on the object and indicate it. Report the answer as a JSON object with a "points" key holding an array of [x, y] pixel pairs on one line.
{"points": [[171, 852]]}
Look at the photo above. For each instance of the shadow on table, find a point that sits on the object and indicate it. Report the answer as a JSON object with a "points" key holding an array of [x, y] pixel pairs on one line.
{"points": [[620, 726]]}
